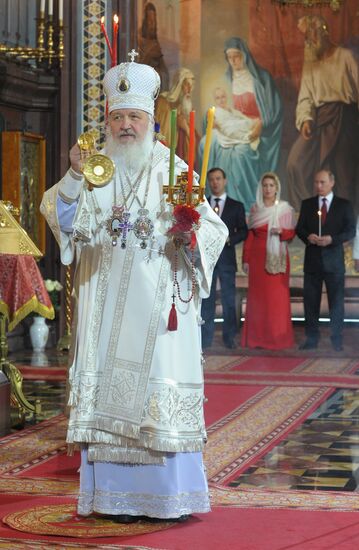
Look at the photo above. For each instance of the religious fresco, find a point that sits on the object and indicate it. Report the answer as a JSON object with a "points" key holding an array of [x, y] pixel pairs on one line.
{"points": [[158, 38], [279, 113], [248, 122]]}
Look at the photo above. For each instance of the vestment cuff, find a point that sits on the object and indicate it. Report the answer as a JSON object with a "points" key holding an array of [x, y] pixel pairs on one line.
{"points": [[70, 186]]}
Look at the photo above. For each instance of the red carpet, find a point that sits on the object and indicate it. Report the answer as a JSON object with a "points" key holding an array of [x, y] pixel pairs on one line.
{"points": [[244, 422], [281, 371], [225, 528]]}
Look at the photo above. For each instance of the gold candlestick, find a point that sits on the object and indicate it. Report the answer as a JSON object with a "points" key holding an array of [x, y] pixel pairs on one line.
{"points": [[50, 40], [61, 46], [41, 35], [178, 194]]}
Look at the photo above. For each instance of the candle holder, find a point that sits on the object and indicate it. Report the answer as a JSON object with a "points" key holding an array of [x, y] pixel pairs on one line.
{"points": [[178, 193], [45, 50]]}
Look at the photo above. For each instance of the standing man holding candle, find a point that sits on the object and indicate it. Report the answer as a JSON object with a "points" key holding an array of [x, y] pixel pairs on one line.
{"points": [[325, 223]]}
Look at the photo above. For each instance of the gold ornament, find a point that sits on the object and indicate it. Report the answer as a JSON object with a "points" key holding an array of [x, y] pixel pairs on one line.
{"points": [[98, 169]]}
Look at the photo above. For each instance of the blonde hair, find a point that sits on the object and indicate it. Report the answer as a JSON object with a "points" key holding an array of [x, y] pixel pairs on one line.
{"points": [[273, 176]]}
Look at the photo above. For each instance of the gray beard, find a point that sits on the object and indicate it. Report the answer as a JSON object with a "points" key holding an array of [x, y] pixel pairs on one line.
{"points": [[130, 156], [313, 52], [186, 105]]}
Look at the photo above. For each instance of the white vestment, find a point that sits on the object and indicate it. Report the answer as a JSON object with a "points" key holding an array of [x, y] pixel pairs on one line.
{"points": [[136, 389]]}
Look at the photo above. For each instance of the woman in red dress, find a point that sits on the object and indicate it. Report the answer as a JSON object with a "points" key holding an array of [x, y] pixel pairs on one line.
{"points": [[265, 258]]}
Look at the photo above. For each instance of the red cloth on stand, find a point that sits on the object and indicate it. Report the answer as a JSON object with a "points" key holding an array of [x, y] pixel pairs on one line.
{"points": [[22, 289], [268, 317]]}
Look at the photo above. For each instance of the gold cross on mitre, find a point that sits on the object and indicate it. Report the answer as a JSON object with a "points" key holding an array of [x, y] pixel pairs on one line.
{"points": [[132, 54]]}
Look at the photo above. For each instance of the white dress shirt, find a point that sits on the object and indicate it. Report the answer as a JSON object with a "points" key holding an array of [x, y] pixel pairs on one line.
{"points": [[328, 198], [221, 202]]}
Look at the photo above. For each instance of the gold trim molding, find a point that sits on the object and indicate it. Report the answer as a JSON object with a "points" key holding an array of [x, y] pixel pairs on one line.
{"points": [[333, 4]]}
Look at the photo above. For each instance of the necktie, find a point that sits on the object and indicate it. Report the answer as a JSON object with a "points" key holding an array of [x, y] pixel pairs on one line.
{"points": [[324, 210], [216, 206]]}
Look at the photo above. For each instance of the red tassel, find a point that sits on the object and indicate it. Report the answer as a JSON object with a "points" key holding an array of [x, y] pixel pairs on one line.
{"points": [[193, 240], [172, 319]]}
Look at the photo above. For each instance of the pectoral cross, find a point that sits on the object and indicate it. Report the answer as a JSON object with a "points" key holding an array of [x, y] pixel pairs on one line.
{"points": [[125, 225], [132, 54]]}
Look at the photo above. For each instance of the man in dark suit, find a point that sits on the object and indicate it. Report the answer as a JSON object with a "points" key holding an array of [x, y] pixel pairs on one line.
{"points": [[233, 215], [325, 223]]}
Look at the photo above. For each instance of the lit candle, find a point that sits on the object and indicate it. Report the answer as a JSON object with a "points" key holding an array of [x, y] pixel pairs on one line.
{"points": [[320, 223], [104, 32], [51, 7], [207, 145], [42, 7], [114, 40], [61, 10], [191, 149], [173, 144]]}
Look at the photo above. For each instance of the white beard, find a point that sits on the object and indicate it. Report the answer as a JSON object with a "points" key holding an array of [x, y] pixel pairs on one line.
{"points": [[186, 105], [130, 156]]}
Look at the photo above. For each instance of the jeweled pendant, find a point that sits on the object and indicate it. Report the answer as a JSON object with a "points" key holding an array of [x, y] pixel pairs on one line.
{"points": [[143, 227], [119, 224]]}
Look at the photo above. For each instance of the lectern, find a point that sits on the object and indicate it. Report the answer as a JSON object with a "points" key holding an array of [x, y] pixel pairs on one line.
{"points": [[22, 291]]}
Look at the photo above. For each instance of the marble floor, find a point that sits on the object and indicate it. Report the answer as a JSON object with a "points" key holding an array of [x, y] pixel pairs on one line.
{"points": [[320, 454]]}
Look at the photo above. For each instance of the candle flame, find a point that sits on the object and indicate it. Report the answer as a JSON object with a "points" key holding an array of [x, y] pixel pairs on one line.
{"points": [[319, 213], [115, 18], [102, 19]]}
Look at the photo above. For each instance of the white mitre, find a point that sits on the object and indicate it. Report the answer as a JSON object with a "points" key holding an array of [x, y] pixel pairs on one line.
{"points": [[132, 86]]}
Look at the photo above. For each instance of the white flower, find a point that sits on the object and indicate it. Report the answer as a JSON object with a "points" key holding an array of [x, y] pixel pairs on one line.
{"points": [[51, 285]]}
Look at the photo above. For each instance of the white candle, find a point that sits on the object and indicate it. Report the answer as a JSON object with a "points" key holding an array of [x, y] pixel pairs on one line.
{"points": [[320, 223], [51, 7], [42, 6], [61, 10]]}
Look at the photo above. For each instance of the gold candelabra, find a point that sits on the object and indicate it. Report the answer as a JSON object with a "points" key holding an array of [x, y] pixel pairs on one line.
{"points": [[179, 194], [45, 49]]}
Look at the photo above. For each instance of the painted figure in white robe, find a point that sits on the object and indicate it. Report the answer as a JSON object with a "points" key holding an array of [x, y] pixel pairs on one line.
{"points": [[231, 127], [136, 388], [326, 116]]}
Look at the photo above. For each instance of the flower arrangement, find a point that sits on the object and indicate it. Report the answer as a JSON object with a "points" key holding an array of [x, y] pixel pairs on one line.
{"points": [[53, 288], [187, 220]]}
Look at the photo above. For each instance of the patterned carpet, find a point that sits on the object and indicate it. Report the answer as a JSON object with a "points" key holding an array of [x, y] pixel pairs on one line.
{"points": [[282, 438]]}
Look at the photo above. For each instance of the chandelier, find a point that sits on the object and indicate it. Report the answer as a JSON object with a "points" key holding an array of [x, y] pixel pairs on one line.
{"points": [[50, 40]]}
